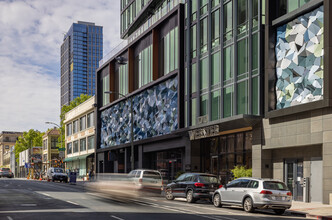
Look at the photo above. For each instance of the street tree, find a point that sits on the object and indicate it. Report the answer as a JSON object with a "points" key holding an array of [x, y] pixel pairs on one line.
{"points": [[29, 139]]}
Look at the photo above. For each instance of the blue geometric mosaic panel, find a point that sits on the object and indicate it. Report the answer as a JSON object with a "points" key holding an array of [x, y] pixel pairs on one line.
{"points": [[299, 53], [155, 113]]}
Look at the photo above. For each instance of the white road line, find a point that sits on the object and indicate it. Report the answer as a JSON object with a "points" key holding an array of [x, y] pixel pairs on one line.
{"points": [[47, 211], [151, 199], [118, 218], [28, 205], [74, 203], [45, 194], [9, 218]]}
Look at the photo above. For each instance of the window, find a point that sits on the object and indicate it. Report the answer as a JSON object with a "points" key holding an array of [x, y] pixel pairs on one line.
{"points": [[204, 6], [75, 126], [255, 96], [82, 123], [242, 16], [193, 78], [215, 62], [228, 64], [242, 97], [215, 29], [75, 150], [242, 56], [170, 48], [204, 73], [106, 88], [45, 144], [204, 105], [234, 183], [144, 66], [228, 101], [193, 111], [69, 148], [194, 10], [204, 35], [254, 51], [253, 184], [193, 41], [215, 105], [123, 79], [82, 144], [54, 142], [243, 183], [228, 21], [90, 119], [91, 142]]}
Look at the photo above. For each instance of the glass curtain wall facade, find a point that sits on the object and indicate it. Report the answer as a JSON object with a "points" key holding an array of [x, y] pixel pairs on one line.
{"points": [[81, 51], [224, 65]]}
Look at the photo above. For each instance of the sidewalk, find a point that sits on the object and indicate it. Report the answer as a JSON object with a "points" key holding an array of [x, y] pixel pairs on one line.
{"points": [[311, 210]]}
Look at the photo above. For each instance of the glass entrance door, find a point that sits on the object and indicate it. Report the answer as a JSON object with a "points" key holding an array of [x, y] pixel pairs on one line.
{"points": [[293, 177]]}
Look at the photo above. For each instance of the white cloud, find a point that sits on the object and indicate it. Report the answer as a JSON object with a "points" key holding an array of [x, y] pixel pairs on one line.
{"points": [[30, 39]]}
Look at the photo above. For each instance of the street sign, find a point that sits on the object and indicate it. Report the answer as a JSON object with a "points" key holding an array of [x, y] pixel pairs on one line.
{"points": [[62, 149], [61, 154]]}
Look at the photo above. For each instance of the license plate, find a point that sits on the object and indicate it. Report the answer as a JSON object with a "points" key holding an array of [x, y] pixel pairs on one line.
{"points": [[279, 198]]}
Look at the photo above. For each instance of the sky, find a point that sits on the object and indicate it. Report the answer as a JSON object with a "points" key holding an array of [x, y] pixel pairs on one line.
{"points": [[31, 33]]}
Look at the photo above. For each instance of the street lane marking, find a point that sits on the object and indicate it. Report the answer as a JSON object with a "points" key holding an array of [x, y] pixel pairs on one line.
{"points": [[151, 199], [48, 210], [9, 218], [74, 203], [28, 205], [45, 194], [113, 216]]}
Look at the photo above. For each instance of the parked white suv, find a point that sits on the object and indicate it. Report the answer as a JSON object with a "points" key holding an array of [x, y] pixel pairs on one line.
{"points": [[56, 173], [252, 193], [147, 181]]}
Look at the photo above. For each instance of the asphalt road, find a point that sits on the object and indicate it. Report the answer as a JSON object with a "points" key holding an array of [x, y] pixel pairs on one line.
{"points": [[29, 199]]}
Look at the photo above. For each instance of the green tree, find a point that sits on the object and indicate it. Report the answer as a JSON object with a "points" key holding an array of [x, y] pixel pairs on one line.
{"points": [[31, 138], [66, 108], [241, 171]]}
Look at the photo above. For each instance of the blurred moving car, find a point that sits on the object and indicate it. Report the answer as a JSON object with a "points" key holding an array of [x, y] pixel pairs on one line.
{"points": [[252, 193], [6, 172], [147, 181], [56, 173], [192, 186]]}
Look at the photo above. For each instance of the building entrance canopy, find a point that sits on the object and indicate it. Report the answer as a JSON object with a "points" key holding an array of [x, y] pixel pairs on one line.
{"points": [[81, 157]]}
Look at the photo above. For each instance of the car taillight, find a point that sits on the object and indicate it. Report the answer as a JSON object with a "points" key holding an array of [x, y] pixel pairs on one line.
{"points": [[199, 184], [140, 180], [220, 186], [289, 194], [265, 192]]}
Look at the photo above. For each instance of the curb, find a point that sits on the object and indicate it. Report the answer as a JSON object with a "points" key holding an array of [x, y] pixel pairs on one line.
{"points": [[307, 215]]}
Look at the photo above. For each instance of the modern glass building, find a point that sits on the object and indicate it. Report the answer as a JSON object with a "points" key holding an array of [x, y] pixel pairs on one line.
{"points": [[81, 50], [213, 84]]}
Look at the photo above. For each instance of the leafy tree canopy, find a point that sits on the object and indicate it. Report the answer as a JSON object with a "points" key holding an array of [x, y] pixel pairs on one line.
{"points": [[31, 138]]}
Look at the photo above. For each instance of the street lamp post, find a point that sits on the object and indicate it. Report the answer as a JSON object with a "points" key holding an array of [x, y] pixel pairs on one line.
{"points": [[48, 122], [132, 159]]}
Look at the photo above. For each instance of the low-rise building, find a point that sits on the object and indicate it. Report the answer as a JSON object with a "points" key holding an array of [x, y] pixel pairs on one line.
{"points": [[7, 140], [51, 155], [80, 138]]}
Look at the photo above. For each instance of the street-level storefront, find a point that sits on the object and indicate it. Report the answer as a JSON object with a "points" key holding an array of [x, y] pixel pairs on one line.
{"points": [[219, 154], [80, 164]]}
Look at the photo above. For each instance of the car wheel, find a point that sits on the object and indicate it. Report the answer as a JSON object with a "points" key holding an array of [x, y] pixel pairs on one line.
{"points": [[217, 200], [248, 205], [279, 211], [169, 195], [190, 196]]}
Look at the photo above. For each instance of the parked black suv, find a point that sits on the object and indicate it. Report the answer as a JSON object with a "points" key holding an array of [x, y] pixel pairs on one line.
{"points": [[192, 186]]}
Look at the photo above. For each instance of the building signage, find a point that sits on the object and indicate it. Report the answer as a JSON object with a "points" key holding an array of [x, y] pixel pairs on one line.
{"points": [[204, 132]]}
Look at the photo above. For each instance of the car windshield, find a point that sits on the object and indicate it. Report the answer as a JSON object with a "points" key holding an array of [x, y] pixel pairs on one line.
{"points": [[208, 179], [274, 185], [58, 170]]}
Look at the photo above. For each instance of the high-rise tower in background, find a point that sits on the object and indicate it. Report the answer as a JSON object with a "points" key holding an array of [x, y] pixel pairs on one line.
{"points": [[81, 50]]}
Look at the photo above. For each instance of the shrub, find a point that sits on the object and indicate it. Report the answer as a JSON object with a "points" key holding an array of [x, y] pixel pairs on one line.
{"points": [[241, 171]]}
